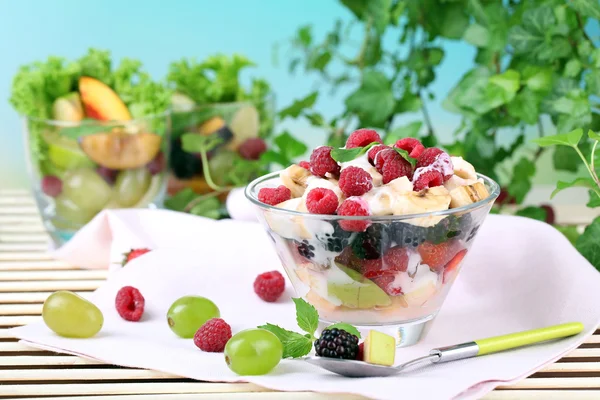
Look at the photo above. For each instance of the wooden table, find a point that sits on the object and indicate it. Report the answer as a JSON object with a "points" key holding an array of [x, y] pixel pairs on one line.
{"points": [[28, 275]]}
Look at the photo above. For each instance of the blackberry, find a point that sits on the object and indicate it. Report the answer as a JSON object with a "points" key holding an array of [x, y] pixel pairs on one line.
{"points": [[337, 343], [185, 165], [337, 240], [472, 233], [448, 228], [408, 235], [305, 249], [372, 243]]}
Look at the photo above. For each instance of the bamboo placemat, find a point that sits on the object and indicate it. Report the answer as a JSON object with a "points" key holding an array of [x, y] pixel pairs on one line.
{"points": [[28, 275]]}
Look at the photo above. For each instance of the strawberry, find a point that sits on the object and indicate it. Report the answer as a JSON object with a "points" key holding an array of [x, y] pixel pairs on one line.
{"points": [[133, 253], [450, 268], [438, 255]]}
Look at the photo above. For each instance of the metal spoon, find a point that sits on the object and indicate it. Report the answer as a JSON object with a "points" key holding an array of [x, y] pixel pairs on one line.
{"points": [[360, 369]]}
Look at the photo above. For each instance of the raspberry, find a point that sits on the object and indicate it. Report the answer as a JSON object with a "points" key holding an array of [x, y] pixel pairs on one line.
{"points": [[354, 207], [322, 163], [361, 352], [269, 286], [373, 151], [362, 137], [304, 164], [396, 259], [130, 303], [252, 148], [133, 253], [355, 181], [428, 156], [428, 179], [51, 185], [382, 156], [396, 167], [412, 145], [213, 335], [274, 196], [321, 201], [372, 268]]}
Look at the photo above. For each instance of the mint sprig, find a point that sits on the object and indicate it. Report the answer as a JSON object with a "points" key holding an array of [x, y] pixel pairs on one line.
{"points": [[404, 154], [346, 327], [295, 344], [344, 155]]}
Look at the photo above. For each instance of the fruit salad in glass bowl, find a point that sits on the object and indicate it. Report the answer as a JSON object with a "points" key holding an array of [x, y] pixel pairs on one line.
{"points": [[96, 137], [372, 234]]}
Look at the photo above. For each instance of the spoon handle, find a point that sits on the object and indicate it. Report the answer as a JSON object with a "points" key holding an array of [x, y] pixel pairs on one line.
{"points": [[506, 342]]}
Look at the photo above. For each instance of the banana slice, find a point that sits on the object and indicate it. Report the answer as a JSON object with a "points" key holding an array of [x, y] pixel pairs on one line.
{"points": [[381, 199], [464, 174], [427, 200], [295, 178], [465, 195]]}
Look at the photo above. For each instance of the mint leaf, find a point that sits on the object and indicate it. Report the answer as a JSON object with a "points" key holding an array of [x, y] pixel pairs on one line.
{"points": [[180, 200], [306, 316], [589, 245], [298, 106], [196, 143], [593, 135], [404, 154], [346, 327], [533, 212], [525, 106], [581, 182], [294, 344], [570, 232], [345, 155], [209, 208], [289, 145], [594, 199], [564, 139], [75, 132], [565, 159]]}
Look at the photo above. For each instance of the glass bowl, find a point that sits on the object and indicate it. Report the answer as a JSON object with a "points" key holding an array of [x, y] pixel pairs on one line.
{"points": [[78, 169], [394, 275]]}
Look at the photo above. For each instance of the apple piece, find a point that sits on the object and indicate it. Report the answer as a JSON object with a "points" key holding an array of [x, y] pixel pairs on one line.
{"points": [[64, 153], [379, 348], [119, 150], [357, 291], [101, 102], [68, 108], [181, 102]]}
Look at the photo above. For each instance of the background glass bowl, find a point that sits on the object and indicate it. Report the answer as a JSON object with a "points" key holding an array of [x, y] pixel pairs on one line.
{"points": [[78, 169], [395, 275]]}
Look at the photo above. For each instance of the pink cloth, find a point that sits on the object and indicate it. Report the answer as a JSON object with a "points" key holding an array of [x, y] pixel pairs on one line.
{"points": [[520, 274]]}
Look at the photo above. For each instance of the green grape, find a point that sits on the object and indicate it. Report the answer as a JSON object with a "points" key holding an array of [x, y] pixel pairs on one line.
{"points": [[253, 352], [70, 315], [220, 165], [69, 215], [86, 189], [187, 314], [131, 185]]}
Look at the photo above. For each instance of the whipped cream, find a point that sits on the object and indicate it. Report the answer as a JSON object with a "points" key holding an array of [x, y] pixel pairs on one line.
{"points": [[381, 200], [442, 163], [423, 277], [464, 174]]}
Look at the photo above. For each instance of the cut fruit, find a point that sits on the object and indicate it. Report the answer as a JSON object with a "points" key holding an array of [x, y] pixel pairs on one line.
{"points": [[320, 303], [465, 195], [64, 153], [101, 102], [450, 270], [220, 166], [156, 185], [70, 216], [181, 102], [379, 349], [130, 186], [420, 296], [360, 293], [119, 150], [295, 178], [68, 108], [244, 125], [86, 189]]}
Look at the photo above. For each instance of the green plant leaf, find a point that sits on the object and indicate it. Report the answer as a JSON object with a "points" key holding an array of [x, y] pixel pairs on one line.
{"points": [[533, 212], [589, 245], [477, 35], [538, 78], [344, 155], [593, 135], [346, 327], [294, 344], [289, 146], [452, 21], [306, 316], [520, 184], [75, 132], [298, 106], [525, 106], [195, 143], [594, 200], [570, 232], [180, 200], [509, 81], [572, 68], [376, 10], [595, 57], [272, 156], [592, 82], [565, 159], [587, 8], [404, 154], [209, 208], [373, 101], [410, 130], [304, 35], [408, 103], [563, 139], [580, 182]]}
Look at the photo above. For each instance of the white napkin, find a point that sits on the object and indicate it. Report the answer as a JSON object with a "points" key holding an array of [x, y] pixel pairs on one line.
{"points": [[520, 274]]}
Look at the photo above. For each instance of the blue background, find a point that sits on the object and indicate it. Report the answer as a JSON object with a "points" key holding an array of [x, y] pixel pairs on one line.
{"points": [[158, 32]]}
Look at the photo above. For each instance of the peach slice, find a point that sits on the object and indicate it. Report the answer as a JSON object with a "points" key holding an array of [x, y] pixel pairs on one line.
{"points": [[119, 150], [101, 102]]}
